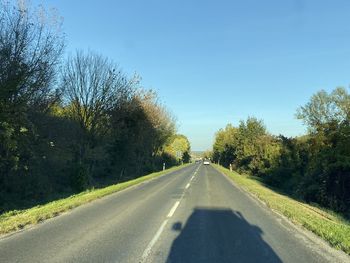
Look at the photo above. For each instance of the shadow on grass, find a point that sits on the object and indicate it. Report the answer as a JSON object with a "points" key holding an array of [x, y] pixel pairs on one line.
{"points": [[219, 235]]}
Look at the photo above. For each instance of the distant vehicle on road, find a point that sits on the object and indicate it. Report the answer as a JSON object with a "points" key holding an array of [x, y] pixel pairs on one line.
{"points": [[206, 162]]}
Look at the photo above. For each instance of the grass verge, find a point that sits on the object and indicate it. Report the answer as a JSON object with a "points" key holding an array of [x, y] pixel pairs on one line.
{"points": [[328, 225], [18, 219]]}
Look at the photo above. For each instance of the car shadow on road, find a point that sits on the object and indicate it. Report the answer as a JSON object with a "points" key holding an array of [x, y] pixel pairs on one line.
{"points": [[219, 235]]}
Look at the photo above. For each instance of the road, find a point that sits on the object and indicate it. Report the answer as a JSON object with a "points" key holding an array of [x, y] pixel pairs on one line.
{"points": [[192, 215]]}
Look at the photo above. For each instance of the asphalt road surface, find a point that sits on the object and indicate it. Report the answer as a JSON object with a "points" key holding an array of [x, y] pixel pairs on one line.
{"points": [[192, 215]]}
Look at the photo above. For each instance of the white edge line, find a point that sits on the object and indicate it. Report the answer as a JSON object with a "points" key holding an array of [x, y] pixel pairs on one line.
{"points": [[188, 185]]}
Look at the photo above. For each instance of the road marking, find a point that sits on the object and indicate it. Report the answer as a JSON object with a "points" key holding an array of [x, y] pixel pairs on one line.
{"points": [[196, 171], [160, 230], [172, 210], [153, 241], [194, 174]]}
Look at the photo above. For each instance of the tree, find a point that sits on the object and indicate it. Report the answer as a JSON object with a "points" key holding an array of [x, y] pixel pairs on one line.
{"points": [[179, 147], [224, 148], [249, 154], [324, 108], [30, 48], [314, 167], [91, 126], [163, 123], [141, 127], [31, 45], [92, 85], [248, 148], [186, 157]]}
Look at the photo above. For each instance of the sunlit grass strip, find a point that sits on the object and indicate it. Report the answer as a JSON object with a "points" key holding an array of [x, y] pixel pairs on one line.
{"points": [[18, 219], [328, 225]]}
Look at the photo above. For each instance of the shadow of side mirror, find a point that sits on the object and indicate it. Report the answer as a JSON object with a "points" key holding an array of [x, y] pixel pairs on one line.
{"points": [[177, 226]]}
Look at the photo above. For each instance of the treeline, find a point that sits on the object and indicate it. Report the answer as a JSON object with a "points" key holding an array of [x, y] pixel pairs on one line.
{"points": [[314, 167], [68, 125]]}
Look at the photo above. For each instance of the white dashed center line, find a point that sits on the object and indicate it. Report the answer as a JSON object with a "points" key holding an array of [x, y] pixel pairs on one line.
{"points": [[172, 210], [160, 230], [153, 241]]}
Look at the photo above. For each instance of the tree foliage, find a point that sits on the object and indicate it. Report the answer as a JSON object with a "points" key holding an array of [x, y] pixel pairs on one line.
{"points": [[248, 147], [92, 86], [179, 147], [324, 108], [30, 48], [141, 126], [63, 131], [314, 167]]}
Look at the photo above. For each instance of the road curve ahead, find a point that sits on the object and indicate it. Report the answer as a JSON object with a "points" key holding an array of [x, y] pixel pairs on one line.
{"points": [[192, 215]]}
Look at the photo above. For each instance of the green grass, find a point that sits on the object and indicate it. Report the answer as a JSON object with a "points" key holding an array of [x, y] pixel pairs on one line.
{"points": [[18, 219], [328, 225]]}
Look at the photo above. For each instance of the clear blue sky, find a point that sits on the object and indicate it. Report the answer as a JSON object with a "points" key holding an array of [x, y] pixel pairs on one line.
{"points": [[215, 62]]}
